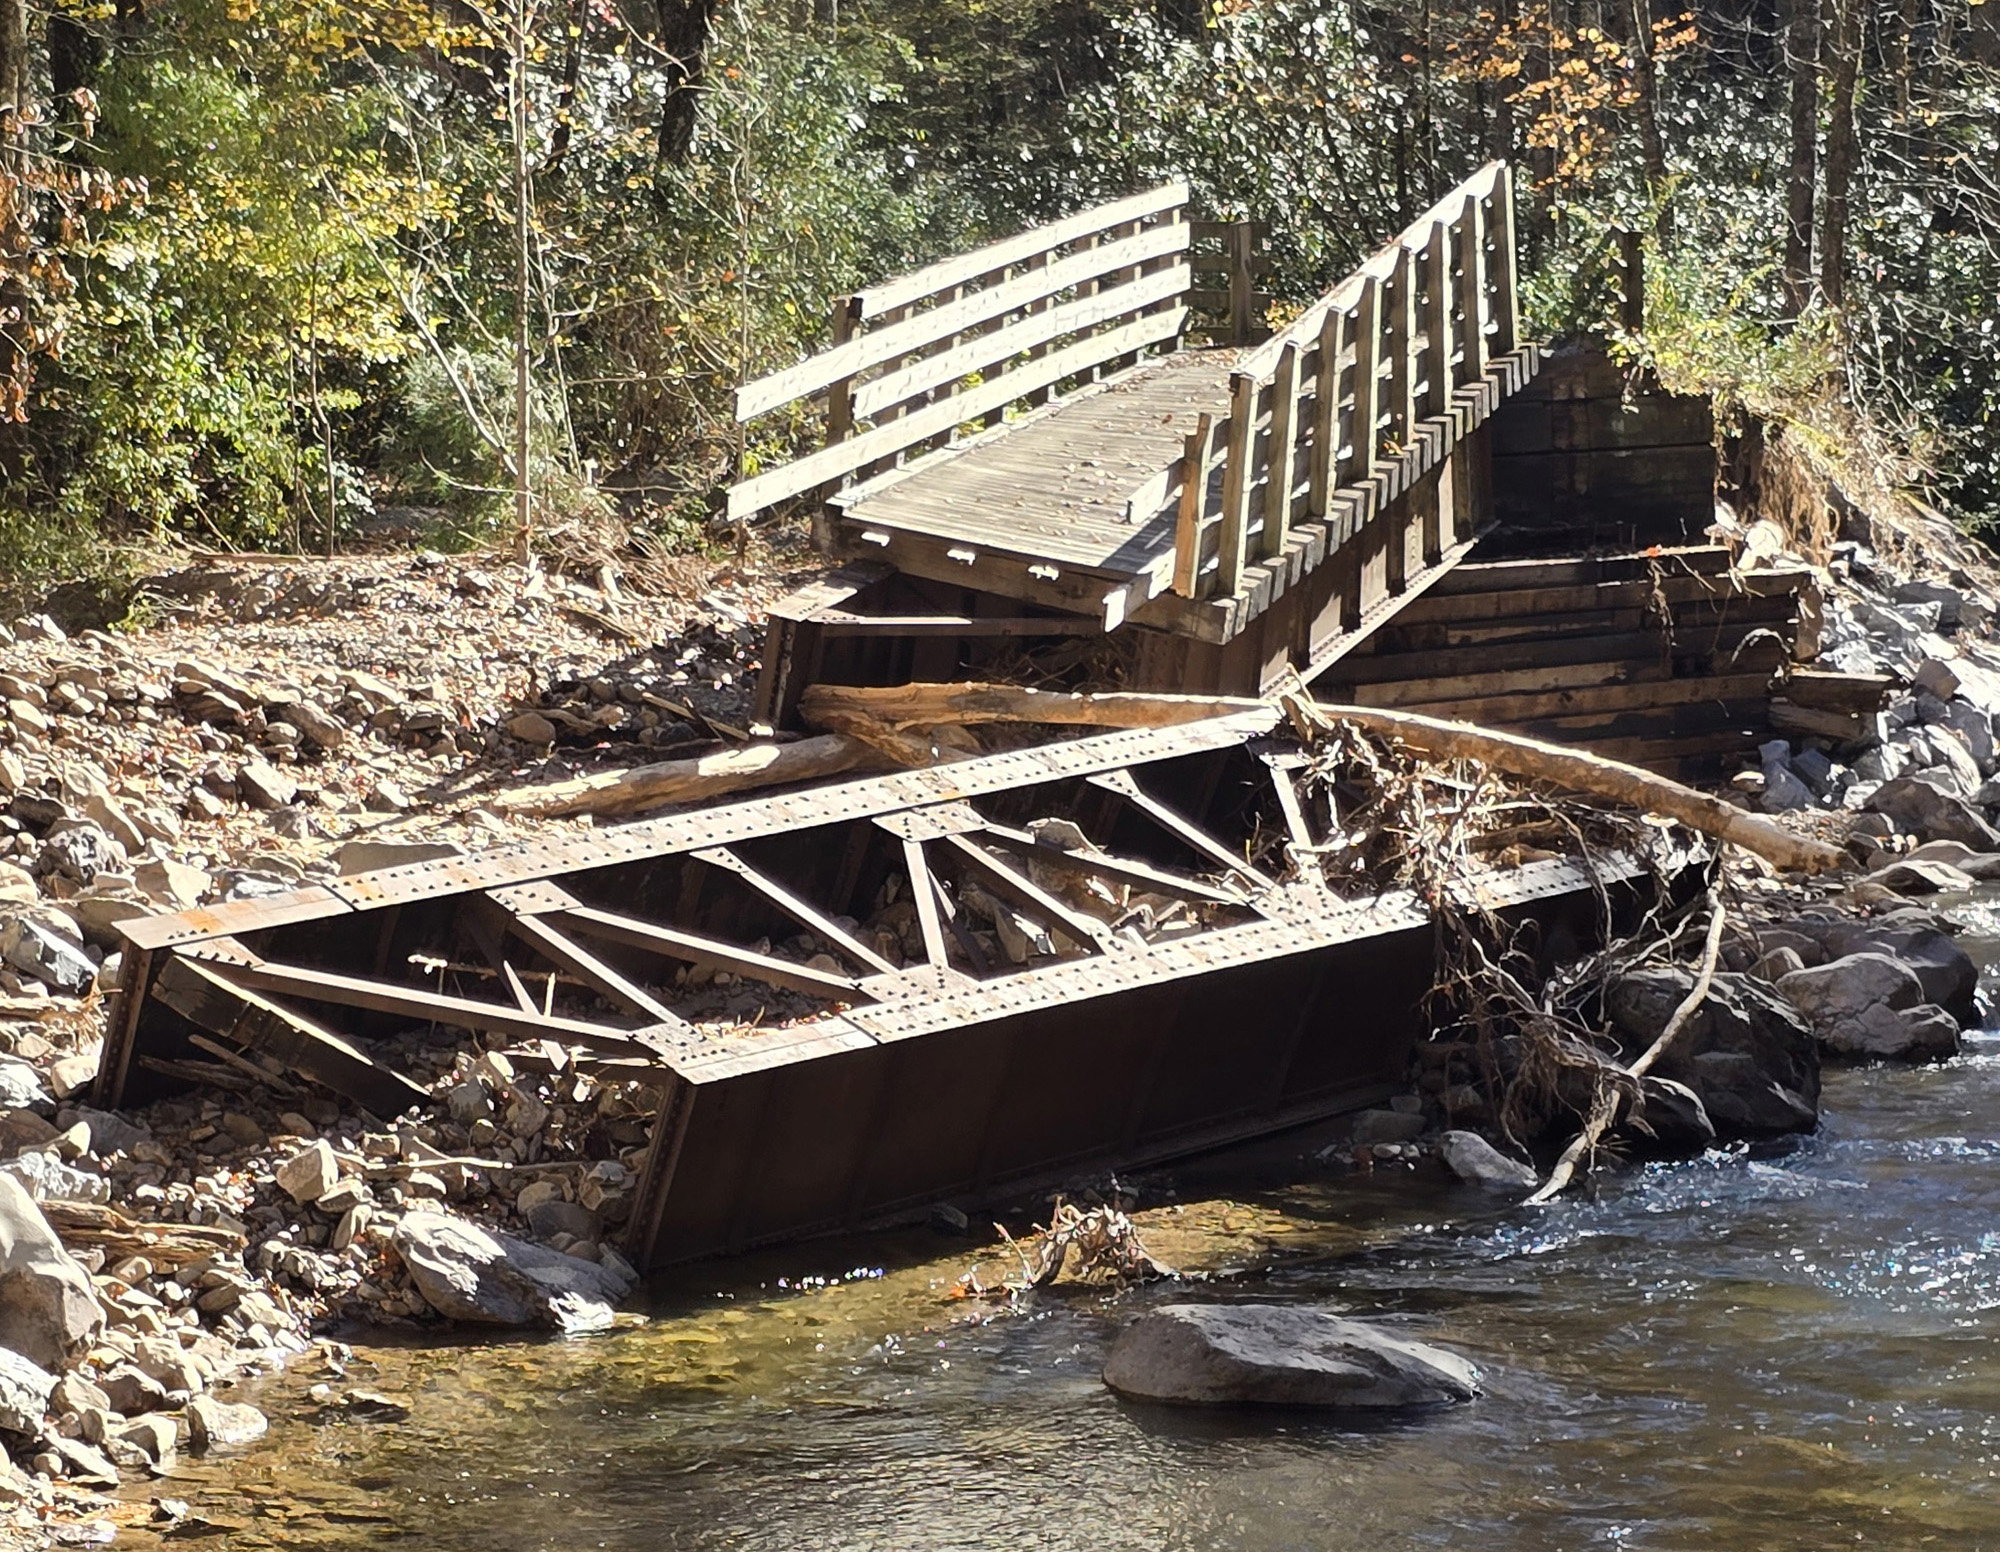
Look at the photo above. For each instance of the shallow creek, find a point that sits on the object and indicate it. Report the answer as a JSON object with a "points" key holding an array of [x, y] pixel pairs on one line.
{"points": [[1776, 1352]]}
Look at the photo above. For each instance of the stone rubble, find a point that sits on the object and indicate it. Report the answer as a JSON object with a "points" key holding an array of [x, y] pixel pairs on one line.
{"points": [[277, 725]]}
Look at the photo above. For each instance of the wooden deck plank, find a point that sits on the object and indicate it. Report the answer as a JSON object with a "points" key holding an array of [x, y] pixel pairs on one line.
{"points": [[1059, 486]]}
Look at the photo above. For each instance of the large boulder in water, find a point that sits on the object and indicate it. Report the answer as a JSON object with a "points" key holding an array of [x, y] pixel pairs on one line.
{"points": [[1478, 1163], [1279, 1355], [1909, 935], [1746, 1052], [1871, 1007], [465, 1272]]}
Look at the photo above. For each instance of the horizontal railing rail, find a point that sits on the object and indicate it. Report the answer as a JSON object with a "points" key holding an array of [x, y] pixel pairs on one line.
{"points": [[916, 358], [1319, 407]]}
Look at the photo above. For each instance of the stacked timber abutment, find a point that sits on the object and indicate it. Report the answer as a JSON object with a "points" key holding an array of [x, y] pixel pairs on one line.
{"points": [[1667, 658]]}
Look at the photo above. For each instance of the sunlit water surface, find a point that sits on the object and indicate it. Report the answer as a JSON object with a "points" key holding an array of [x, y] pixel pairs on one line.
{"points": [[1787, 1351]]}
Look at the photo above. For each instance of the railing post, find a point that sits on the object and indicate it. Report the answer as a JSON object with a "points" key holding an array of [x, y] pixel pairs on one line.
{"points": [[1366, 433], [1232, 551], [1506, 314], [1631, 281], [1437, 320], [1472, 285], [1194, 493], [1402, 347], [1326, 417], [840, 394], [1242, 280], [1279, 460]]}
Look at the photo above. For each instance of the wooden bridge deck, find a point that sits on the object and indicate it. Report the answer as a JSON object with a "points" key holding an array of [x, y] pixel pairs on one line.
{"points": [[1065, 485]]}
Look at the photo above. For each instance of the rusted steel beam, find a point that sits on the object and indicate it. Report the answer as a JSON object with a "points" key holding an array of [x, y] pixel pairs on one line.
{"points": [[429, 1007], [923, 894], [1082, 930], [801, 911], [210, 1001], [1114, 870], [695, 949], [579, 961], [1126, 785]]}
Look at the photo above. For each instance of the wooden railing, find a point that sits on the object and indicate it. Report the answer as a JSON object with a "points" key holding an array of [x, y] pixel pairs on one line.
{"points": [[915, 358], [1323, 405]]}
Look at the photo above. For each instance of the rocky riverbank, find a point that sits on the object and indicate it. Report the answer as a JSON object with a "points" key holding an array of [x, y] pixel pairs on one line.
{"points": [[277, 725]]}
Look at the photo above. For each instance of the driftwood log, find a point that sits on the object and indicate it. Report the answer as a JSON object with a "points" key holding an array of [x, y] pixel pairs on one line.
{"points": [[694, 781], [902, 707]]}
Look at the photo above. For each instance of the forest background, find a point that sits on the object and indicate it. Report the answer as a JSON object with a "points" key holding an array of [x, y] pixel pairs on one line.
{"points": [[271, 268]]}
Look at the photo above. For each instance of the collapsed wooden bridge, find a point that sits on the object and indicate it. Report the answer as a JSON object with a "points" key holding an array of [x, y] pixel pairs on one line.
{"points": [[850, 1001]]}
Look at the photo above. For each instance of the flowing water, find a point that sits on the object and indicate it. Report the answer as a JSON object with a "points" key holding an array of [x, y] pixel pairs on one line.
{"points": [[1773, 1352]]}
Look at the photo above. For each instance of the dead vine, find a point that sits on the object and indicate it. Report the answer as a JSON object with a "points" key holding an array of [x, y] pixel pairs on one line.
{"points": [[1531, 1034], [1101, 1241]]}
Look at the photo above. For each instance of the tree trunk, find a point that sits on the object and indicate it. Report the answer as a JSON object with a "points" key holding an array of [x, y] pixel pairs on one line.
{"points": [[684, 29], [1841, 151], [14, 238], [1646, 82], [1802, 55], [849, 708], [524, 214], [698, 780]]}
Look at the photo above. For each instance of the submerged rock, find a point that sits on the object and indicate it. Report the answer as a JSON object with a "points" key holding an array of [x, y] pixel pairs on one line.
{"points": [[1478, 1163], [1746, 1053], [1279, 1355], [216, 1424], [466, 1272]]}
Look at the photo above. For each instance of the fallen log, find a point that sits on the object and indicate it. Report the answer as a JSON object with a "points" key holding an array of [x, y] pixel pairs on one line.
{"points": [[1591, 774], [693, 781], [924, 705], [913, 705]]}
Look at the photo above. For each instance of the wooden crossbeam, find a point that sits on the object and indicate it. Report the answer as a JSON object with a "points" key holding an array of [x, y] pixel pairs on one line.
{"points": [[716, 954]]}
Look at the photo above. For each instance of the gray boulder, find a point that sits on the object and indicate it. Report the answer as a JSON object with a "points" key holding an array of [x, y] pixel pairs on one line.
{"points": [[1869, 1007], [1669, 1121], [216, 1424], [48, 1179], [1746, 1053], [1279, 1355], [1921, 876], [1920, 809], [48, 1308], [1909, 935], [25, 1389], [468, 1273], [33, 946], [1478, 1163]]}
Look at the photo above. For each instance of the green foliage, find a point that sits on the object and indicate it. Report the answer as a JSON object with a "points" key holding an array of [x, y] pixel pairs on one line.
{"points": [[314, 304]]}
